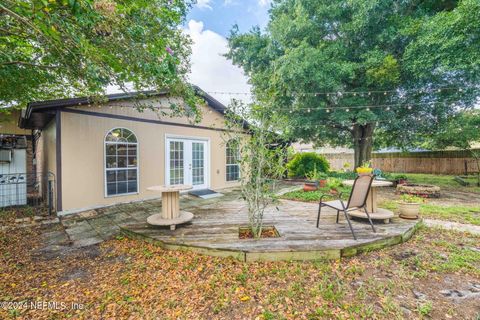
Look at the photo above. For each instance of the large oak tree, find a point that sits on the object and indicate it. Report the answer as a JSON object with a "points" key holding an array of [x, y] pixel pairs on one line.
{"points": [[61, 48], [344, 72]]}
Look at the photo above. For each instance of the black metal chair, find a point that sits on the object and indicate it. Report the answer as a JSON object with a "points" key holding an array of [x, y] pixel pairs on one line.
{"points": [[356, 201]]}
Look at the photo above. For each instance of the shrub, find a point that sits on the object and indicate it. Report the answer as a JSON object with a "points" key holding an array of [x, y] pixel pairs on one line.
{"points": [[305, 162], [343, 175], [334, 183]]}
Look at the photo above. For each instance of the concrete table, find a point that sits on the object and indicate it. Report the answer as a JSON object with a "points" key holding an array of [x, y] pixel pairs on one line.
{"points": [[375, 212], [171, 214]]}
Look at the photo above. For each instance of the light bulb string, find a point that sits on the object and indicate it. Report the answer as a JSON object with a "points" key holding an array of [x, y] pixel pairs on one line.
{"points": [[355, 93]]}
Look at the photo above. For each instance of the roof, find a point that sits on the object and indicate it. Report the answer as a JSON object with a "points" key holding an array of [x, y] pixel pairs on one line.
{"points": [[38, 114]]}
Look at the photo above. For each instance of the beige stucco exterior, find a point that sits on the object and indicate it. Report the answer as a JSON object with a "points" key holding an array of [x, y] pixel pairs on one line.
{"points": [[82, 151]]}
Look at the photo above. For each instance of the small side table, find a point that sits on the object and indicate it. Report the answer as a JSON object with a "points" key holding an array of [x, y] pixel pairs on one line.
{"points": [[171, 214], [375, 212]]}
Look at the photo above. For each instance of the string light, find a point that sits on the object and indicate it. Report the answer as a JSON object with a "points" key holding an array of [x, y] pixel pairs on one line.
{"points": [[360, 93]]}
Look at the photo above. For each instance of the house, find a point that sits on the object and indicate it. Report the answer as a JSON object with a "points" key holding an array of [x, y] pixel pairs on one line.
{"points": [[107, 153], [16, 165]]}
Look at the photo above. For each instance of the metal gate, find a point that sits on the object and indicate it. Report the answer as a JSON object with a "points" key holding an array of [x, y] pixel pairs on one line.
{"points": [[33, 189]]}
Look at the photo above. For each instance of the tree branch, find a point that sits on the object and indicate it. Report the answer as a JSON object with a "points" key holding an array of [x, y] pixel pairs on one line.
{"points": [[23, 63]]}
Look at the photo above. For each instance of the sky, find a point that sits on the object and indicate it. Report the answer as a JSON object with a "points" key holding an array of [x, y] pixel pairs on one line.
{"points": [[208, 24]]}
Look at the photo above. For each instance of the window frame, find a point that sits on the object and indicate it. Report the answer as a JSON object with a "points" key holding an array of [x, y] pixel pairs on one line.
{"points": [[105, 169], [233, 140]]}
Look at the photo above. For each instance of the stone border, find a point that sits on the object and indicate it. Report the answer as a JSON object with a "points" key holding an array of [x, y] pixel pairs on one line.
{"points": [[301, 255]]}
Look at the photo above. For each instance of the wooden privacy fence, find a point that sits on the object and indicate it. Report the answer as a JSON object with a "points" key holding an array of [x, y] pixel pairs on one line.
{"points": [[434, 162]]}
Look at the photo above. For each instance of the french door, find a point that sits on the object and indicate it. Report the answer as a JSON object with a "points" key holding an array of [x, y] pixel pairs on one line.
{"points": [[186, 162]]}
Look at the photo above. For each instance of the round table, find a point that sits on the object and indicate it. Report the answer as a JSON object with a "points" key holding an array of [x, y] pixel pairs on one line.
{"points": [[171, 214], [375, 212]]}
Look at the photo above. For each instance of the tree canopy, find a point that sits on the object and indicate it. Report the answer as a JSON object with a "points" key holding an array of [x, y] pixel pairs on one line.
{"points": [[60, 48], [341, 71]]}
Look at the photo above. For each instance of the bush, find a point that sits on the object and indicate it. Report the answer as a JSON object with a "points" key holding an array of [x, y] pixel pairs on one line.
{"points": [[305, 162]]}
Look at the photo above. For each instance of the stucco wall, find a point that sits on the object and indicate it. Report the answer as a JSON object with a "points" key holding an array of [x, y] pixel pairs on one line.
{"points": [[83, 176], [46, 150]]}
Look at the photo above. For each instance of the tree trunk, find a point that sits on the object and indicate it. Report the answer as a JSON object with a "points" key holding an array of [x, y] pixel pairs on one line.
{"points": [[362, 142]]}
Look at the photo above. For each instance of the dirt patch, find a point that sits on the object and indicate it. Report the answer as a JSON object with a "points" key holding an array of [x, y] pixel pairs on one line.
{"points": [[434, 275], [267, 232], [447, 197]]}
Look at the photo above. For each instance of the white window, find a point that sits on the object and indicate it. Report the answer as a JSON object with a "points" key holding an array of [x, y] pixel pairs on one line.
{"points": [[121, 162], [233, 159]]}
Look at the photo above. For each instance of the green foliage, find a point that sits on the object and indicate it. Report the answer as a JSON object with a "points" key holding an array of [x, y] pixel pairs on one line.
{"points": [[304, 162], [261, 158], [316, 175], [59, 48], [408, 47], [425, 308], [314, 196], [445, 182], [458, 213], [409, 198], [399, 177], [334, 183], [342, 175]]}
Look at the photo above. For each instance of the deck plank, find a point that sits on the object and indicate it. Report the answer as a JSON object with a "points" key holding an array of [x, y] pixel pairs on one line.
{"points": [[216, 227]]}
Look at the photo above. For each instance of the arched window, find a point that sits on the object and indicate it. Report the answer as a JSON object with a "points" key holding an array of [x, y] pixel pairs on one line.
{"points": [[233, 160], [121, 162]]}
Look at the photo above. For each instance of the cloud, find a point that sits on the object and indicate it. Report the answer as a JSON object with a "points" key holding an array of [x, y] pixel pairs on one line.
{"points": [[263, 3], [210, 70], [205, 4]]}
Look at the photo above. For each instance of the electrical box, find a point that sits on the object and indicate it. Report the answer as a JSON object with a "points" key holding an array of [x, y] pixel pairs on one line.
{"points": [[5, 155]]}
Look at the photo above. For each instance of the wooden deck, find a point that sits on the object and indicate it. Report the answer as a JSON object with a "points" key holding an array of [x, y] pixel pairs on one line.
{"points": [[214, 231]]}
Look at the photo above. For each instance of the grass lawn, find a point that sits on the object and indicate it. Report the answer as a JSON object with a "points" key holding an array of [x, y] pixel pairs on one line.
{"points": [[314, 196], [124, 278], [462, 213], [443, 181], [457, 213]]}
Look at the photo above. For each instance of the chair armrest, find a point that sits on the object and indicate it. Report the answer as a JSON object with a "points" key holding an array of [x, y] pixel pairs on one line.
{"points": [[322, 195]]}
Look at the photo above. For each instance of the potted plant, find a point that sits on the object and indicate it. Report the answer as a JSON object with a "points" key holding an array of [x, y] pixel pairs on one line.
{"points": [[365, 169], [333, 184], [410, 206], [322, 179], [316, 179]]}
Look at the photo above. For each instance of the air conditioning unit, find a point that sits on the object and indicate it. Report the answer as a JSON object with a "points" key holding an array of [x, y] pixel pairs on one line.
{"points": [[5, 155]]}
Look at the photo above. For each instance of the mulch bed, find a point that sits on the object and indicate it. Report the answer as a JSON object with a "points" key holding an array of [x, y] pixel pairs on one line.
{"points": [[267, 232]]}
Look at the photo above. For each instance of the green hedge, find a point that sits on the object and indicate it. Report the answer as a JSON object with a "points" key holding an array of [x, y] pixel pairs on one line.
{"points": [[304, 162]]}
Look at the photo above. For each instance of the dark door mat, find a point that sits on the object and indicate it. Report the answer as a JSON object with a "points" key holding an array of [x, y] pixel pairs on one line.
{"points": [[205, 193]]}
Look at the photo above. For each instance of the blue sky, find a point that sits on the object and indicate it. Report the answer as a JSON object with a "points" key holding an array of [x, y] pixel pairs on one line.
{"points": [[208, 24], [220, 15]]}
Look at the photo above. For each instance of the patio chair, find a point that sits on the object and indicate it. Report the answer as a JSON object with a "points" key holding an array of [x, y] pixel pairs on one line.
{"points": [[356, 201]]}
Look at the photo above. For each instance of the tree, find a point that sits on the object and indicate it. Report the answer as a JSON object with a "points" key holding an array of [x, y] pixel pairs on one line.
{"points": [[59, 48], [343, 71], [261, 157], [461, 131]]}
